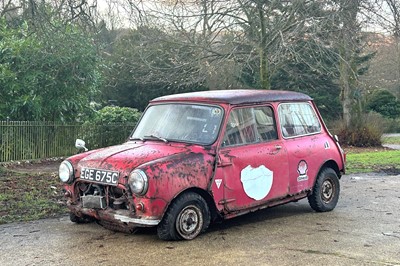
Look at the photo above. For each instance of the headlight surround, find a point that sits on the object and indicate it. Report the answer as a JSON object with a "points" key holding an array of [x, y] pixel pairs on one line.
{"points": [[138, 182], [66, 172]]}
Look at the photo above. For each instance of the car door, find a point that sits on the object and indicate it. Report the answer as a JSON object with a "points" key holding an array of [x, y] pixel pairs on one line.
{"points": [[252, 163], [301, 131]]}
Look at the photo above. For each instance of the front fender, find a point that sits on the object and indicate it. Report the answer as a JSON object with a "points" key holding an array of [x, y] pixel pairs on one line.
{"points": [[168, 177]]}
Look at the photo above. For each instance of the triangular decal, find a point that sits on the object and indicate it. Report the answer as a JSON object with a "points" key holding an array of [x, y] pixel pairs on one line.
{"points": [[218, 182]]}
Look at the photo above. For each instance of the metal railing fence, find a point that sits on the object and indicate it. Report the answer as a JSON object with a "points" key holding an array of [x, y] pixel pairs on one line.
{"points": [[28, 140]]}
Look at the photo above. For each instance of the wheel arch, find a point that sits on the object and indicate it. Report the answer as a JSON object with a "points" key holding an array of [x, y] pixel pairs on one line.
{"points": [[331, 164], [205, 195], [327, 164]]}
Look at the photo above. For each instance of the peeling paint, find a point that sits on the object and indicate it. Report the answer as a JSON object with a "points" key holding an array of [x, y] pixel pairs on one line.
{"points": [[238, 178]]}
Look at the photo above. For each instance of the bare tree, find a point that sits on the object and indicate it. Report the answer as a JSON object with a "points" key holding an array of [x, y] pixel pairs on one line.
{"points": [[40, 12], [237, 33], [384, 19], [8, 8], [349, 32], [394, 7]]}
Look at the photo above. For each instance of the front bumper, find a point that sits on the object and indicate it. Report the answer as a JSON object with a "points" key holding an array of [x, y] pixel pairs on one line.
{"points": [[118, 218]]}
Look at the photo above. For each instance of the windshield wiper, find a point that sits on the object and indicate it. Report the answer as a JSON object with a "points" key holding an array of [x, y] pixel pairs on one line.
{"points": [[152, 136], [137, 138]]}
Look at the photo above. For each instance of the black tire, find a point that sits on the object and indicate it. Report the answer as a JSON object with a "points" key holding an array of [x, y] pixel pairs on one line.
{"points": [[186, 218], [325, 193], [79, 220]]}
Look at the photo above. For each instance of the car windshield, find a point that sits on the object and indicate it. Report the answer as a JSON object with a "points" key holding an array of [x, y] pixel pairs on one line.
{"points": [[180, 122]]}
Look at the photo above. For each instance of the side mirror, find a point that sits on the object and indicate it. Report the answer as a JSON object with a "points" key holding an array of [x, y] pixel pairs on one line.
{"points": [[80, 144]]}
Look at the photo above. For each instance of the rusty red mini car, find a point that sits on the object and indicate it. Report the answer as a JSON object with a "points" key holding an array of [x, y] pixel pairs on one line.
{"points": [[197, 157]]}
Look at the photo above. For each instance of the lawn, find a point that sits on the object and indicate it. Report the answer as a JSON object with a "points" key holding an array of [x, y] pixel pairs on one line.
{"points": [[374, 159]]}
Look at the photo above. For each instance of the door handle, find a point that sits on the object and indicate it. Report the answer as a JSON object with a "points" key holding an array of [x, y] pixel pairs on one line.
{"points": [[278, 147]]}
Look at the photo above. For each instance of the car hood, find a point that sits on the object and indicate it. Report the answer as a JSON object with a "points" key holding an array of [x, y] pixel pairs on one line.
{"points": [[126, 157]]}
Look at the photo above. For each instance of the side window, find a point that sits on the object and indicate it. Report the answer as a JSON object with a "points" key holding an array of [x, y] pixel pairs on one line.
{"points": [[250, 125], [298, 119]]}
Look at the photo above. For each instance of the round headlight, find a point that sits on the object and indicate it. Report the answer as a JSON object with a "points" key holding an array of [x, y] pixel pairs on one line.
{"points": [[138, 182], [66, 172]]}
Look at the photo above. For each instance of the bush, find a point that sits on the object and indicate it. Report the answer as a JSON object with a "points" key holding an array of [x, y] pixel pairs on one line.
{"points": [[110, 126], [116, 114], [364, 132], [49, 73]]}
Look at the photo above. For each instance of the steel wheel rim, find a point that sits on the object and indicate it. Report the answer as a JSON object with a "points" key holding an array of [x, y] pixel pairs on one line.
{"points": [[189, 222], [328, 191]]}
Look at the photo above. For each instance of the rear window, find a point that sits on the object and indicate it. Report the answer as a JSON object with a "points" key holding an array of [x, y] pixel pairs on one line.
{"points": [[298, 119]]}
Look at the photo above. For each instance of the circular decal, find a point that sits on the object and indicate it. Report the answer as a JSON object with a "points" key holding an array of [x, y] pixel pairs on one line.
{"points": [[216, 112]]}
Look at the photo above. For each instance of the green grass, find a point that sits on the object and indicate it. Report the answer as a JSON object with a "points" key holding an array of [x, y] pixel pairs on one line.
{"points": [[387, 161], [381, 161]]}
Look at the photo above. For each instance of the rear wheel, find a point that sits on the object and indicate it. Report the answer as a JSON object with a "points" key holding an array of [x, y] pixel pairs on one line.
{"points": [[325, 193], [186, 218]]}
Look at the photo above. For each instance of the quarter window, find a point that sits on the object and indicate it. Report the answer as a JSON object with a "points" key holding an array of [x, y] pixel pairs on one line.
{"points": [[298, 119], [250, 125]]}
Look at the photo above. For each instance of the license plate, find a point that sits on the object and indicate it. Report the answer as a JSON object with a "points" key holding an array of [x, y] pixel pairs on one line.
{"points": [[100, 176]]}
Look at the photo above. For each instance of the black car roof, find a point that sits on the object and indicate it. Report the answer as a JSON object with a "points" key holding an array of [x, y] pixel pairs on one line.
{"points": [[241, 96]]}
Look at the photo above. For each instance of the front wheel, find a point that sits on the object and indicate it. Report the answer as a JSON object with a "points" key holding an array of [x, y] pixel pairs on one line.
{"points": [[79, 220], [325, 193], [186, 218]]}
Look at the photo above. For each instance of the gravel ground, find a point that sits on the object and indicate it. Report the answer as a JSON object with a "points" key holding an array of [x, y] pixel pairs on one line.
{"points": [[364, 229]]}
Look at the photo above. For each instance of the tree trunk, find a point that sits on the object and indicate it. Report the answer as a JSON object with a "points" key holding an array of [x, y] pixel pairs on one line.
{"points": [[264, 77], [348, 73], [345, 90]]}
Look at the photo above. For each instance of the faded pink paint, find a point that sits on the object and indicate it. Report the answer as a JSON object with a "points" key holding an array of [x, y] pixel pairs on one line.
{"points": [[213, 171]]}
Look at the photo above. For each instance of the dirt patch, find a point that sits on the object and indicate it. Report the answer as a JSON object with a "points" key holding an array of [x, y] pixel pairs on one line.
{"points": [[30, 191], [389, 170], [49, 165], [351, 149]]}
